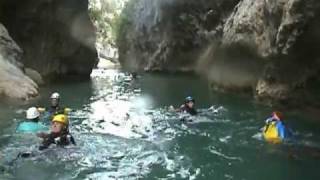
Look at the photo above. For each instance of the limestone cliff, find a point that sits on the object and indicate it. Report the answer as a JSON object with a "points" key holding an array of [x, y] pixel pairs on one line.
{"points": [[13, 82], [57, 36], [267, 46]]}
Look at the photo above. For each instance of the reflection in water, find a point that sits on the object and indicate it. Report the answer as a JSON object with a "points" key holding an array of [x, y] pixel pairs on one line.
{"points": [[120, 108], [125, 132]]}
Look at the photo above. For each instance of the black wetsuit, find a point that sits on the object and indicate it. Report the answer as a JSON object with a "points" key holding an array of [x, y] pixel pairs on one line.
{"points": [[191, 111], [56, 110], [63, 139]]}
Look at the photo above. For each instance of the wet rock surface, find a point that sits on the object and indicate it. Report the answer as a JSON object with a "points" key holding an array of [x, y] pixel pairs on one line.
{"points": [[57, 37], [13, 82]]}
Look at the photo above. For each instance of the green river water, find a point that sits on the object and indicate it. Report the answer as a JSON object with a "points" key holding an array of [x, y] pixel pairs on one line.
{"points": [[124, 131]]}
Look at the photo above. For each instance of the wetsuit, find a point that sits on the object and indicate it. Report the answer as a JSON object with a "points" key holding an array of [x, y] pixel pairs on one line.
{"points": [[191, 111], [63, 139], [31, 127], [56, 110]]}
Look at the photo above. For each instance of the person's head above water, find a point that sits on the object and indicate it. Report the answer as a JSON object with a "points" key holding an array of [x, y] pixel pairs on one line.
{"points": [[59, 124], [277, 115], [189, 102], [55, 99], [33, 114]]}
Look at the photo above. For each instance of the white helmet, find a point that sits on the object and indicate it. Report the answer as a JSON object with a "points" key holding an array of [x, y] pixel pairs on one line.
{"points": [[32, 113], [55, 95]]}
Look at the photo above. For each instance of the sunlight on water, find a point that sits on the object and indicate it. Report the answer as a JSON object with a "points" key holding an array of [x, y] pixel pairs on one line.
{"points": [[118, 112]]}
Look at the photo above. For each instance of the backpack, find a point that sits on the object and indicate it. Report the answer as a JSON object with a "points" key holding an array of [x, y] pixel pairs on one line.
{"points": [[270, 132]]}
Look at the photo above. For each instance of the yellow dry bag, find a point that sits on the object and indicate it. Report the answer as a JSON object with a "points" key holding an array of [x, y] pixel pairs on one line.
{"points": [[270, 133]]}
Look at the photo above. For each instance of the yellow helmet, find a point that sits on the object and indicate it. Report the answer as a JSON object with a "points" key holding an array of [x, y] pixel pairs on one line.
{"points": [[61, 118]]}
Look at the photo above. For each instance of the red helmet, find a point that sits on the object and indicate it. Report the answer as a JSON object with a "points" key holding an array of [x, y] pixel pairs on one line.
{"points": [[278, 115]]}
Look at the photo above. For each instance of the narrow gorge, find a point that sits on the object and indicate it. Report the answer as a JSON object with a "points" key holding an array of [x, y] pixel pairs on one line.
{"points": [[268, 47]]}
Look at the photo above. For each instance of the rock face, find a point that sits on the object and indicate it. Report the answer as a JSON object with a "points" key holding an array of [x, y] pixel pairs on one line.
{"points": [[268, 46], [166, 34], [57, 36], [283, 34], [34, 75], [13, 82]]}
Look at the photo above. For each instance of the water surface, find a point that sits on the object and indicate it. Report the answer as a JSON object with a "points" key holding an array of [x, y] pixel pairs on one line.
{"points": [[124, 131]]}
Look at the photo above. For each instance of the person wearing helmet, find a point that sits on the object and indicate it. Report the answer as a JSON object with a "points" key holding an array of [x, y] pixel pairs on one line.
{"points": [[55, 107], [275, 131], [59, 134], [55, 99], [187, 107], [31, 124]]}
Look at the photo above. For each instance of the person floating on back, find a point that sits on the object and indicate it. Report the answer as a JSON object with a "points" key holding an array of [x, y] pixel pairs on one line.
{"points": [[55, 107], [275, 131], [187, 107], [59, 134], [31, 124]]}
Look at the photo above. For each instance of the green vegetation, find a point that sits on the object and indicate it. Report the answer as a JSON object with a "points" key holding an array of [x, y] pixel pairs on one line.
{"points": [[105, 15], [123, 21]]}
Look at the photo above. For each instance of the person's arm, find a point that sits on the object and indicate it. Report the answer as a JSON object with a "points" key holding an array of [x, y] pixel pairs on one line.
{"points": [[171, 108], [181, 108], [281, 130], [59, 111], [290, 132], [41, 109], [42, 128], [67, 110], [47, 141], [270, 119], [193, 112], [42, 135], [72, 140]]}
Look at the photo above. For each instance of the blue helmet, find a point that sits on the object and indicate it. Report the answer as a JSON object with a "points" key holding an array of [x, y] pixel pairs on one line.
{"points": [[189, 99]]}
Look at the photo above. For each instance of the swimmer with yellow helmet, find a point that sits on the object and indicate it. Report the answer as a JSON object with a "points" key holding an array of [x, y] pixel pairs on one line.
{"points": [[275, 131], [59, 134]]}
